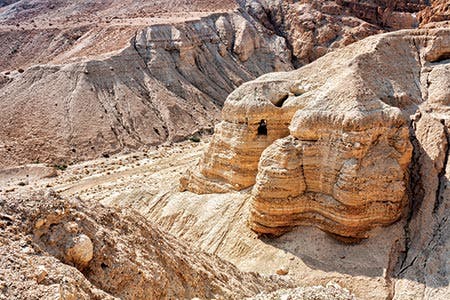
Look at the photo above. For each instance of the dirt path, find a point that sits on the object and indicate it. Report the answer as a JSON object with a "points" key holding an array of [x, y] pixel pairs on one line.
{"points": [[172, 18], [101, 178]]}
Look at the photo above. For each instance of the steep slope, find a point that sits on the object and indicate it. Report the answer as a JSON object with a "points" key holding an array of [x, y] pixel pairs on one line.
{"points": [[126, 75], [167, 84], [72, 249]]}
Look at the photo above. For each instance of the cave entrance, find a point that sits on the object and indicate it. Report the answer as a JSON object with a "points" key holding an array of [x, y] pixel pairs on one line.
{"points": [[262, 128]]}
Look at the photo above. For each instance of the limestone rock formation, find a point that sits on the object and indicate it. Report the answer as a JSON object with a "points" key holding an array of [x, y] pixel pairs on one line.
{"points": [[86, 79], [160, 83], [116, 254], [336, 147], [314, 28]]}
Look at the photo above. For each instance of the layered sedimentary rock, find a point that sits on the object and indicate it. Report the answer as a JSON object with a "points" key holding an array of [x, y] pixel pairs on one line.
{"points": [[251, 122], [166, 83], [316, 27], [337, 147]]}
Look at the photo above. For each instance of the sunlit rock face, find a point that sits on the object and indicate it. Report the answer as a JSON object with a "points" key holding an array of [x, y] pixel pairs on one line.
{"points": [[329, 144]]}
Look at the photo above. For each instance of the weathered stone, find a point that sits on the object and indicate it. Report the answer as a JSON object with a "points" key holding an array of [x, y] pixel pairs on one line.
{"points": [[336, 148], [80, 251]]}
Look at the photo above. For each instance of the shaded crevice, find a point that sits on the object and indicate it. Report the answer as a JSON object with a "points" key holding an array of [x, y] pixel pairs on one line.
{"points": [[441, 176], [423, 92], [416, 195]]}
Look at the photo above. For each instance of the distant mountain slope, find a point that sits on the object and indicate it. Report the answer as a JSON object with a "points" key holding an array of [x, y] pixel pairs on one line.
{"points": [[86, 78]]}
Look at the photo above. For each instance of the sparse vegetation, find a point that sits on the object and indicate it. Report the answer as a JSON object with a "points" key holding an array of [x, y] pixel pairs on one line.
{"points": [[195, 139], [60, 167]]}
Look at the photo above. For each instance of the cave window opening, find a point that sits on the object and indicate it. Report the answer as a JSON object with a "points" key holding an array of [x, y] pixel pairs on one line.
{"points": [[281, 101], [262, 128]]}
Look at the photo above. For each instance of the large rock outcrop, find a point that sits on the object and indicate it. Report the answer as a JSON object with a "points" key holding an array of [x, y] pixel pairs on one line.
{"points": [[335, 150], [70, 249], [166, 84]]}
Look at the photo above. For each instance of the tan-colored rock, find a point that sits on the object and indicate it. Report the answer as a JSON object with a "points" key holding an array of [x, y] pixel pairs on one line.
{"points": [[132, 260], [282, 271], [41, 273], [336, 147], [80, 251]]}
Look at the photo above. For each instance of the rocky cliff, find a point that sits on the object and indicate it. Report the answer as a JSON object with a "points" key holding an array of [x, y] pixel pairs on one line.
{"points": [[84, 79], [314, 28], [166, 84], [336, 147]]}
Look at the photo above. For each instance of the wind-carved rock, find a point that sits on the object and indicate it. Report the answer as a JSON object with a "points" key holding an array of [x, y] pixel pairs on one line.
{"points": [[326, 145]]}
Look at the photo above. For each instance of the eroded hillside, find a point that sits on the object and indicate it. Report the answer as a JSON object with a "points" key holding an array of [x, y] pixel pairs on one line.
{"points": [[85, 79], [335, 174], [72, 249], [406, 259]]}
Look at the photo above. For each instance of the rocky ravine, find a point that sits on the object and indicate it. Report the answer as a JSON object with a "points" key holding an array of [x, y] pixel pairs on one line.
{"points": [[398, 78], [100, 78]]}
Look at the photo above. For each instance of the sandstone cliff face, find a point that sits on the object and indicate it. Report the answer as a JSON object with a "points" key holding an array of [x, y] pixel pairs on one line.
{"points": [[132, 74], [314, 28], [59, 248], [166, 84], [337, 149]]}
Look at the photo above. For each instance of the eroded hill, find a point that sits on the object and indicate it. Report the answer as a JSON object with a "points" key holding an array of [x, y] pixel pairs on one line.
{"points": [[84, 79]]}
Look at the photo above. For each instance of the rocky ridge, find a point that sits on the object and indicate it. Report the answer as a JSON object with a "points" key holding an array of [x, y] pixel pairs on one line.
{"points": [[176, 61], [166, 85], [338, 129]]}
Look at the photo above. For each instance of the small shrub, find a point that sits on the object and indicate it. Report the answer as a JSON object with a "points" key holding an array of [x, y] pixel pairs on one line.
{"points": [[60, 167], [195, 139]]}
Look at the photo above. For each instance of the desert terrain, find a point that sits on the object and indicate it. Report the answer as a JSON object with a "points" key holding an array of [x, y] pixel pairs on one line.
{"points": [[248, 149]]}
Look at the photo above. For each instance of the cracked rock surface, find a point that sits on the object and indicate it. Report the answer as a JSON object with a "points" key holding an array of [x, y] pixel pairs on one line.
{"points": [[86, 79], [71, 249]]}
